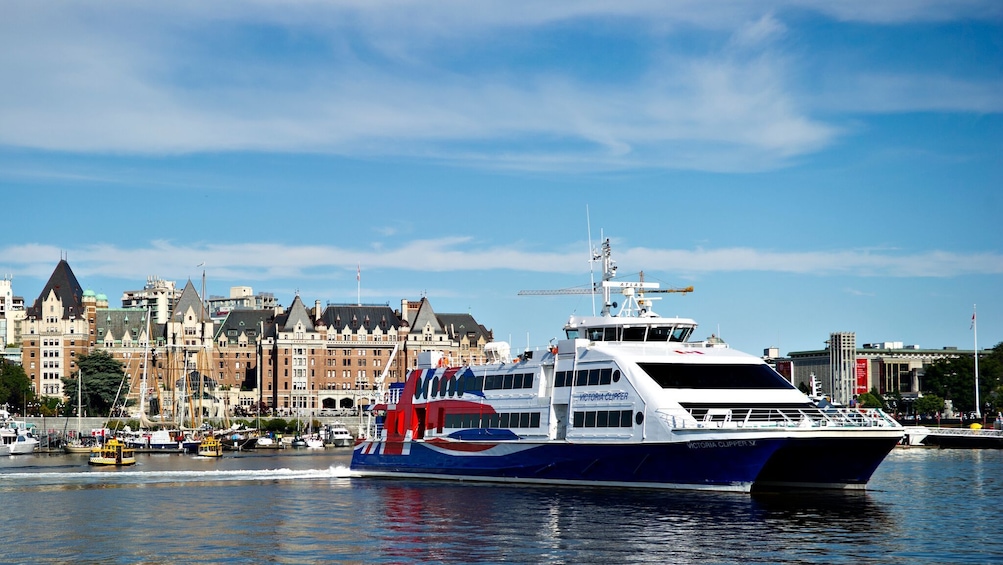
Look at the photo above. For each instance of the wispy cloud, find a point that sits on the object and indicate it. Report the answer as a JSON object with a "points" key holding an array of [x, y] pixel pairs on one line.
{"points": [[269, 262], [377, 79]]}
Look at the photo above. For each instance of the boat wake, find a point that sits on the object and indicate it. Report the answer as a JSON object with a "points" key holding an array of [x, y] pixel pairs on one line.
{"points": [[132, 476]]}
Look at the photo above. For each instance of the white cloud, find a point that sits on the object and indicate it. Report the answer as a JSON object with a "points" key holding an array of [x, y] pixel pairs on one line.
{"points": [[374, 79], [268, 261]]}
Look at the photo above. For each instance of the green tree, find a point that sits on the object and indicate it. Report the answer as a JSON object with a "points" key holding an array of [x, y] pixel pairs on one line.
{"points": [[954, 379], [929, 404], [15, 388], [102, 377], [869, 400]]}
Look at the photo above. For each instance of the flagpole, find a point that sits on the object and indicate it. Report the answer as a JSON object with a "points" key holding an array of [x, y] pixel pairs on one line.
{"points": [[358, 281], [975, 329]]}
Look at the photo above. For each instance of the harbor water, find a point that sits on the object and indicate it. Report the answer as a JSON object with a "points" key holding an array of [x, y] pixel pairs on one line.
{"points": [[922, 506]]}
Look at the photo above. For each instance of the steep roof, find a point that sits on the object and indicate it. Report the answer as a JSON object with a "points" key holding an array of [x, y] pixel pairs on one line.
{"points": [[367, 317], [425, 315], [297, 314], [189, 299], [459, 325], [119, 322], [240, 321], [64, 284]]}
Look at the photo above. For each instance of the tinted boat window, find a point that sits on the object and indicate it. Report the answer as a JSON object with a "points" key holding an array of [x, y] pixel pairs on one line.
{"points": [[659, 333], [677, 375], [633, 334]]}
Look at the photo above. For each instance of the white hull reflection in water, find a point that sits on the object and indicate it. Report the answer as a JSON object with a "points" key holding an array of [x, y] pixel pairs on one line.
{"points": [[924, 506]]}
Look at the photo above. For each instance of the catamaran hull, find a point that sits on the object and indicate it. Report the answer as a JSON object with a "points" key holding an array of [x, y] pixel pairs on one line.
{"points": [[827, 462], [730, 465]]}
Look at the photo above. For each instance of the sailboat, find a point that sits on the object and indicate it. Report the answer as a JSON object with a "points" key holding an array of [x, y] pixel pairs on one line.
{"points": [[77, 445]]}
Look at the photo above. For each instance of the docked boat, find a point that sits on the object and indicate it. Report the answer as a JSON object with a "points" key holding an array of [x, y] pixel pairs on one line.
{"points": [[77, 447], [210, 447], [339, 436], [19, 438], [625, 399], [112, 453]]}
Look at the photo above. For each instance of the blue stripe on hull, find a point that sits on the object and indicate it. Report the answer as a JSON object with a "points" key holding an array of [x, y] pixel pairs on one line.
{"points": [[700, 464]]}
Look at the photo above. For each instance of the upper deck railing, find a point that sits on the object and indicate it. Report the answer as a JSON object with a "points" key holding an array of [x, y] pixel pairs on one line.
{"points": [[781, 418]]}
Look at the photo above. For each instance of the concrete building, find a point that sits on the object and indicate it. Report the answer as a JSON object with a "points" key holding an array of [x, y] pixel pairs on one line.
{"points": [[12, 316], [241, 298], [845, 370], [158, 295]]}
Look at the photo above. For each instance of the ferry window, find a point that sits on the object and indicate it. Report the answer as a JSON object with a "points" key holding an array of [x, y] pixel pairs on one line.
{"points": [[659, 333], [579, 419], [507, 382], [442, 387], [562, 378], [602, 419], [478, 384], [605, 375], [527, 380], [435, 386], [639, 418], [633, 334], [680, 334], [571, 334], [582, 378], [534, 420], [609, 334], [678, 375], [593, 377], [504, 420], [616, 376], [590, 419], [595, 334], [524, 420]]}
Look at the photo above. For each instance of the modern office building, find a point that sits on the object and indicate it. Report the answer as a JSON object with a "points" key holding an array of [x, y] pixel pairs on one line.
{"points": [[845, 370]]}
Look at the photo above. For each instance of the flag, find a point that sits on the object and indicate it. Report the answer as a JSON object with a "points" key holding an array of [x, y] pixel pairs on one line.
{"points": [[358, 273], [972, 327]]}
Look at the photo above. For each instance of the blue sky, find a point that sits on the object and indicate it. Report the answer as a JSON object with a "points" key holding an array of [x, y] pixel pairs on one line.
{"points": [[809, 167]]}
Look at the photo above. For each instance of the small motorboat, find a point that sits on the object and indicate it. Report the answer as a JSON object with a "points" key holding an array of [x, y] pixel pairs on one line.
{"points": [[210, 447], [112, 453]]}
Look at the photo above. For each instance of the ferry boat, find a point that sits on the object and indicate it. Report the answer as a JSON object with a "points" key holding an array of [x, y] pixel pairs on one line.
{"points": [[112, 453], [210, 447], [627, 400]]}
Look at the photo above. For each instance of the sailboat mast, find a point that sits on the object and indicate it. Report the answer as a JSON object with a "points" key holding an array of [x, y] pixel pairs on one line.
{"points": [[146, 361], [975, 329]]}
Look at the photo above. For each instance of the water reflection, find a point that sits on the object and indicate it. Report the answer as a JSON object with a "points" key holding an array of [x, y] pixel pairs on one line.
{"points": [[432, 521]]}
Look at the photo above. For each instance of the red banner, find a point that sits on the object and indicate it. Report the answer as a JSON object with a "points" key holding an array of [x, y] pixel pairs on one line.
{"points": [[861, 376]]}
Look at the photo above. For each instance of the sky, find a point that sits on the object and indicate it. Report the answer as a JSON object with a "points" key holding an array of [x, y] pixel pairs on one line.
{"points": [[809, 167]]}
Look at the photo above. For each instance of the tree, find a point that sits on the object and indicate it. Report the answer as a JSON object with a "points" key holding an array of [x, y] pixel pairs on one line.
{"points": [[869, 400], [929, 404], [15, 388], [954, 379], [102, 377]]}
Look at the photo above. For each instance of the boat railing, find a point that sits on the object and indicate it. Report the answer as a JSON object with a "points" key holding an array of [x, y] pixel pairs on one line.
{"points": [[781, 418], [983, 432]]}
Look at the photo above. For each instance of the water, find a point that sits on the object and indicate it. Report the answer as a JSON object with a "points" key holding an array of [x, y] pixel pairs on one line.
{"points": [[923, 506]]}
